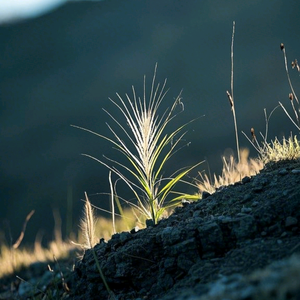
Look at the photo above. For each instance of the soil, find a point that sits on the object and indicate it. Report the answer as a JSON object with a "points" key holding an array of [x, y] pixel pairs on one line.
{"points": [[242, 242]]}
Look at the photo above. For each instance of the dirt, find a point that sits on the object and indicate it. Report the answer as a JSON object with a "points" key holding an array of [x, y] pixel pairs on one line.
{"points": [[242, 242]]}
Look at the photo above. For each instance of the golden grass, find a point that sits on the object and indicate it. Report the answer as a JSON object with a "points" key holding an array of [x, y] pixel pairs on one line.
{"points": [[288, 149], [13, 260], [232, 172]]}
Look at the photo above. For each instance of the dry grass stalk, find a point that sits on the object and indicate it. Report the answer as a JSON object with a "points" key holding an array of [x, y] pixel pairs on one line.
{"points": [[87, 225], [20, 239], [230, 95]]}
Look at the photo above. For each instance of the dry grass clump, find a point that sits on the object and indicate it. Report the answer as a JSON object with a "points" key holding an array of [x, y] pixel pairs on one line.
{"points": [[232, 172], [275, 151], [13, 260], [15, 257], [87, 226]]}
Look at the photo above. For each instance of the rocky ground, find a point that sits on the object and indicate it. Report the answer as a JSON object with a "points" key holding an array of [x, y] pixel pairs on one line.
{"points": [[242, 242]]}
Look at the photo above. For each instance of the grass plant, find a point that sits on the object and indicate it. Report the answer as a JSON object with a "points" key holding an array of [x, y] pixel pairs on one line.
{"points": [[276, 150], [147, 149], [288, 149], [232, 172], [87, 225]]}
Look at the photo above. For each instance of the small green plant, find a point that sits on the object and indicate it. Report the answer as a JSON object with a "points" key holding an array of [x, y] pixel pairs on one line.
{"points": [[147, 148]]}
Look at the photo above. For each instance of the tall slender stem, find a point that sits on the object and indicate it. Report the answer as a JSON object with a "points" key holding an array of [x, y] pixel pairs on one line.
{"points": [[232, 97]]}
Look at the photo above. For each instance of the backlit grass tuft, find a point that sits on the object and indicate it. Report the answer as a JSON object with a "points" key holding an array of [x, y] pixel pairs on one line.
{"points": [[232, 172], [141, 137]]}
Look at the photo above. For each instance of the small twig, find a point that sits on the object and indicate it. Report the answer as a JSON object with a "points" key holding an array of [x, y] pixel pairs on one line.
{"points": [[289, 115], [19, 240], [291, 97]]}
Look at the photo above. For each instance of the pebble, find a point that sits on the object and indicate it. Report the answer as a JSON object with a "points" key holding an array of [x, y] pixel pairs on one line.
{"points": [[124, 236], [224, 219], [296, 171], [246, 210], [246, 198], [257, 189], [284, 234], [283, 171], [290, 221]]}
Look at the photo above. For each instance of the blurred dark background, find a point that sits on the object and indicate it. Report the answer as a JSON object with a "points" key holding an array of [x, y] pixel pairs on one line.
{"points": [[60, 68]]}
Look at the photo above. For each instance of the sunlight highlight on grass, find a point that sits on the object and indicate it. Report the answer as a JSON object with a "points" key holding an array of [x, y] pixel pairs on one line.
{"points": [[13, 260], [232, 172]]}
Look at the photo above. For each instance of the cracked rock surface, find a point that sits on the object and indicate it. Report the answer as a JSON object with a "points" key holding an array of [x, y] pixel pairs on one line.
{"points": [[242, 242]]}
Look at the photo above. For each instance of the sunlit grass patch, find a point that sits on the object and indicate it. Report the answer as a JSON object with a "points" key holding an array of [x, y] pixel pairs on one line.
{"points": [[13, 260], [232, 172], [287, 149]]}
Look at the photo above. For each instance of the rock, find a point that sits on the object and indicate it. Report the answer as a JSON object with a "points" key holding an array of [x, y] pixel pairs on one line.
{"points": [[290, 221], [241, 242], [209, 249]]}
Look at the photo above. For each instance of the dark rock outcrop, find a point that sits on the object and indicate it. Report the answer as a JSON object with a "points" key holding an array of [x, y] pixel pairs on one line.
{"points": [[240, 243]]}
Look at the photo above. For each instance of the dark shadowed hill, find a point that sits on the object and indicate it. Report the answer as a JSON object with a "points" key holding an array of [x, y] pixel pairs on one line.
{"points": [[241, 242]]}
